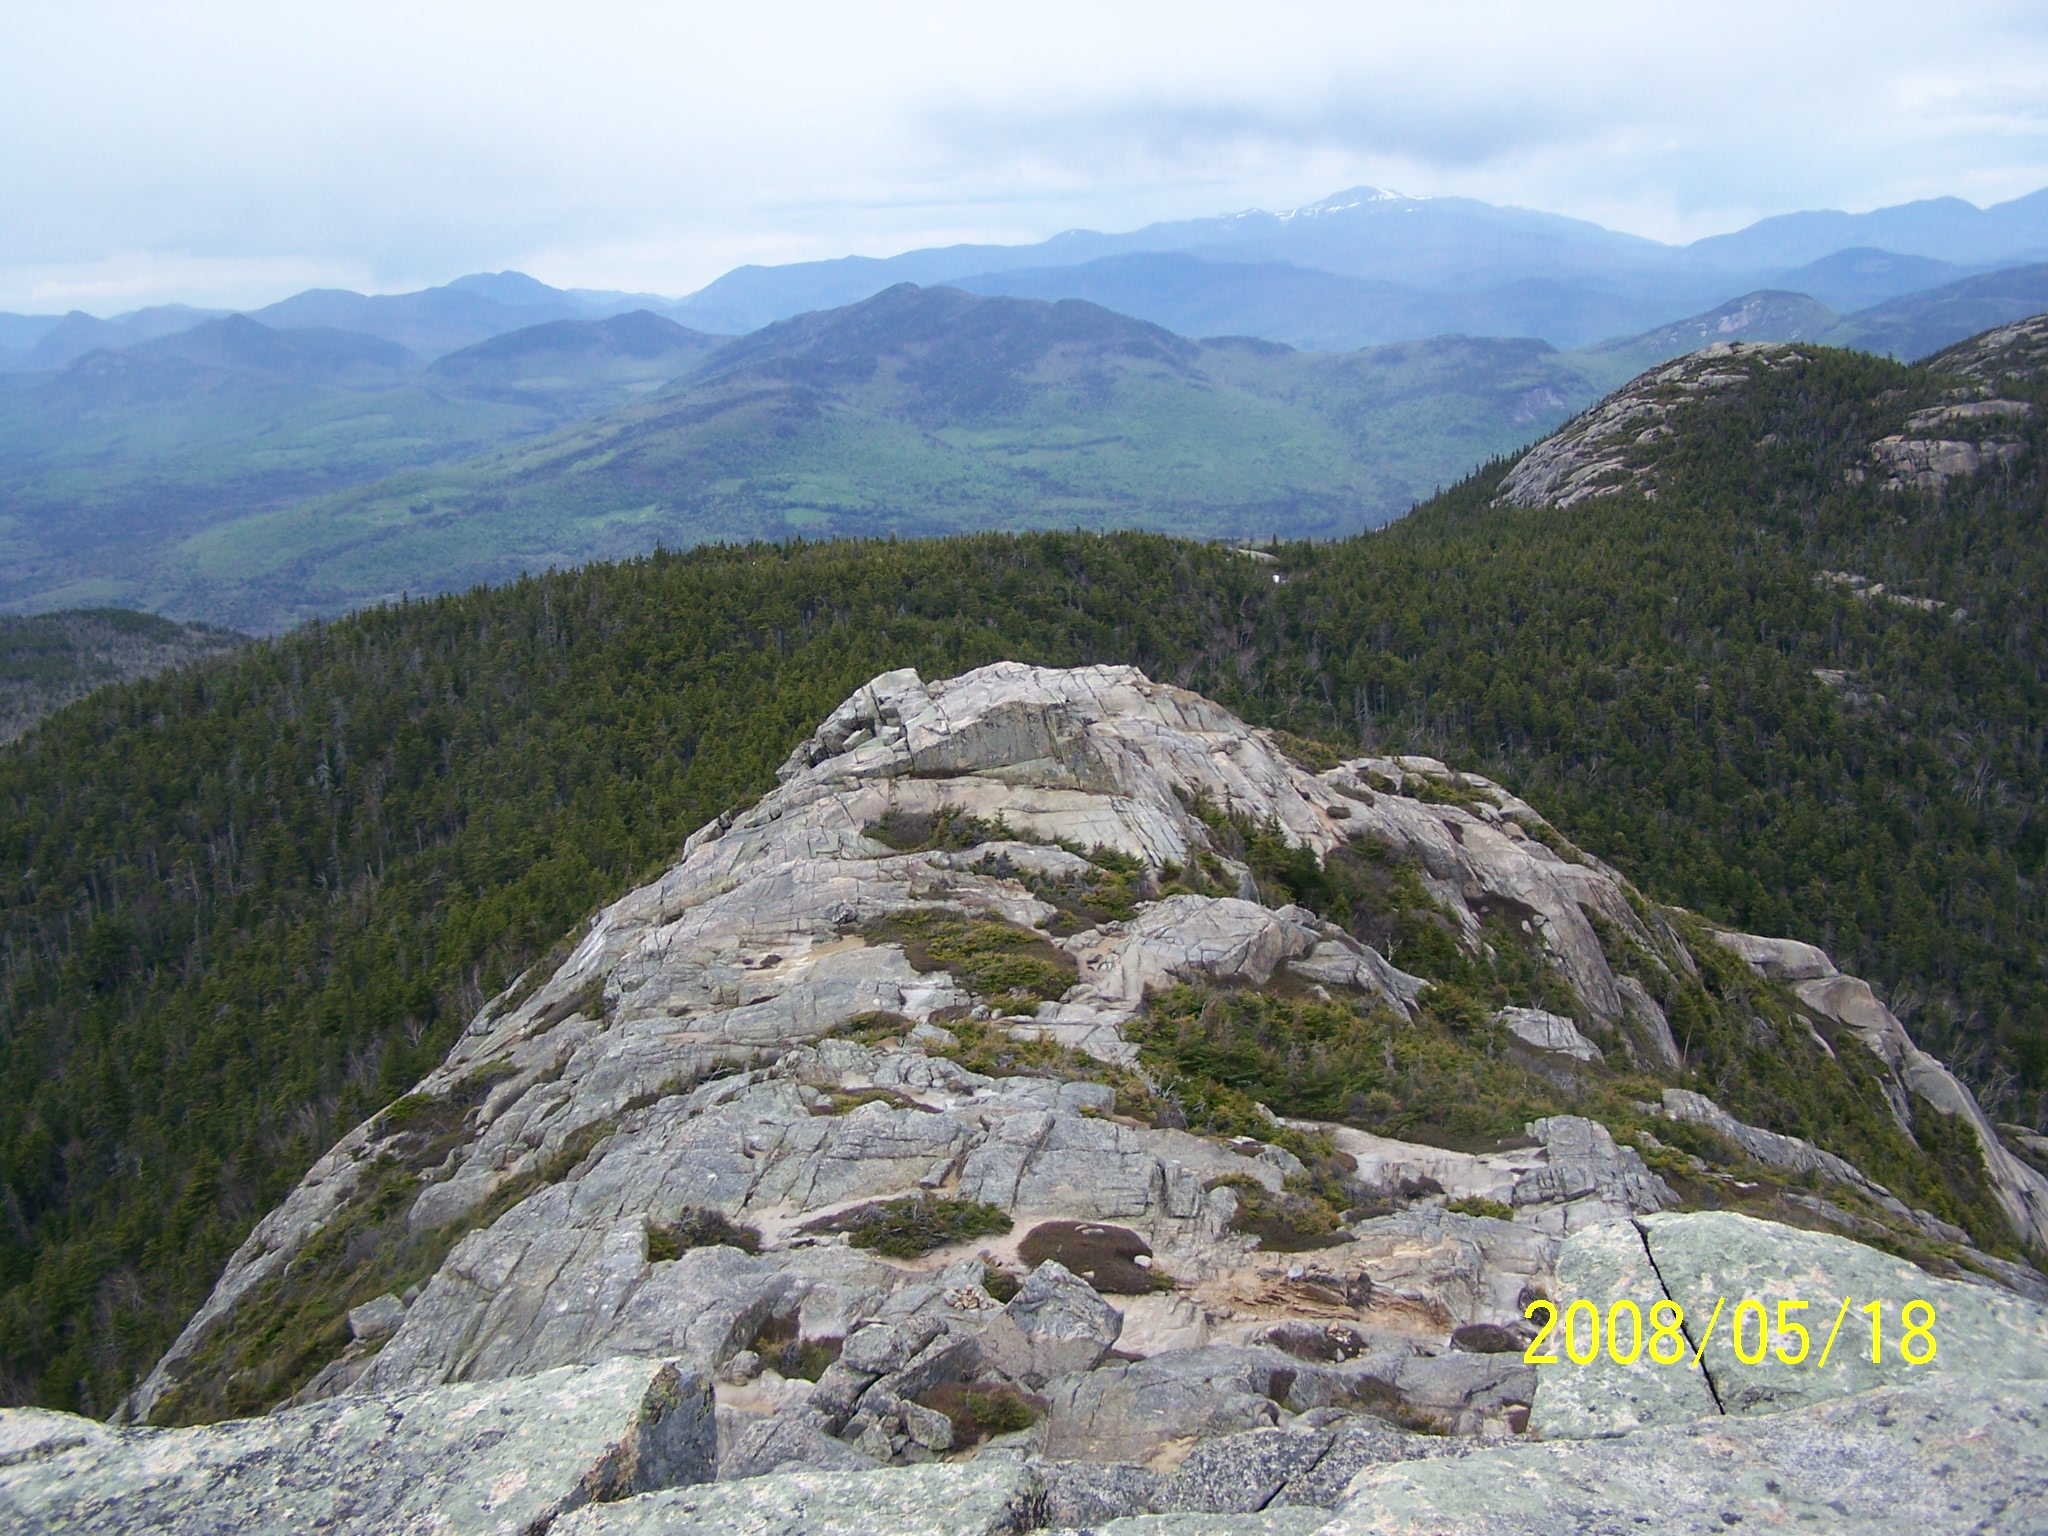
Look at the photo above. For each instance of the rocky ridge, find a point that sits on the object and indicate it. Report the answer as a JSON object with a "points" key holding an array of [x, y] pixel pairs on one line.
{"points": [[1971, 429], [1611, 447], [662, 1150]]}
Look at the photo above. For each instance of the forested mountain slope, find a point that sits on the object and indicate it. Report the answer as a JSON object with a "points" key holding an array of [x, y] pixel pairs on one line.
{"points": [[110, 461], [51, 659], [917, 412], [1780, 664]]}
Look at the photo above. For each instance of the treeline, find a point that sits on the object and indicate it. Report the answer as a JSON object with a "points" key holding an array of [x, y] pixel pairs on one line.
{"points": [[244, 904]]}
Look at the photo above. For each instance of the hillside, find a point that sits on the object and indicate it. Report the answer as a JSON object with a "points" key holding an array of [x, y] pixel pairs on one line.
{"points": [[922, 411], [53, 659], [109, 461], [1917, 324], [241, 908]]}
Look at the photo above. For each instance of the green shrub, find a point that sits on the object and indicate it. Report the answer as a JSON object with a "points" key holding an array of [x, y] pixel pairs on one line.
{"points": [[978, 1410], [698, 1227], [1014, 968], [794, 1358], [947, 827], [912, 1227], [1479, 1205]]}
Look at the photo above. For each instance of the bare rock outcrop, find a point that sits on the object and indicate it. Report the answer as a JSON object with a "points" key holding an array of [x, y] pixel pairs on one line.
{"points": [[676, 1058], [1601, 451], [661, 1143]]}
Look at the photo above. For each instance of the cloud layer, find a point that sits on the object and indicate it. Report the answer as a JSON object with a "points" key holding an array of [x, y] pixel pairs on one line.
{"points": [[230, 153]]}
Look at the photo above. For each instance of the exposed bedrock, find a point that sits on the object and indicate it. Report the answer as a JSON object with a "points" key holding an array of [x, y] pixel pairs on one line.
{"points": [[838, 1114]]}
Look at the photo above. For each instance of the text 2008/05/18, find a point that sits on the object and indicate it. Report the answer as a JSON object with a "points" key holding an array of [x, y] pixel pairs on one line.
{"points": [[1628, 1335]]}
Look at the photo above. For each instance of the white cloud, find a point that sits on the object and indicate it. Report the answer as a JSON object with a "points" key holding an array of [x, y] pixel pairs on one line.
{"points": [[227, 152]]}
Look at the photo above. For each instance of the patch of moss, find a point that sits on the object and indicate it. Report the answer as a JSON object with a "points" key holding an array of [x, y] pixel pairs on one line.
{"points": [[980, 1410], [999, 1282], [1479, 1205], [1013, 968], [698, 1227], [874, 1028], [845, 1103], [914, 1226], [947, 827]]}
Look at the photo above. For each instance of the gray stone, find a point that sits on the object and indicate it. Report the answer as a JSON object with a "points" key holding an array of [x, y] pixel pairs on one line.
{"points": [[1946, 1455], [787, 1440], [1547, 1032], [949, 1357], [1461, 1391], [1985, 1333], [1241, 1473], [1266, 1522], [376, 1319], [1350, 1447], [1084, 1494], [928, 1427], [880, 1348], [1056, 1324], [980, 1498], [1126, 1411], [484, 1458], [1587, 1178]]}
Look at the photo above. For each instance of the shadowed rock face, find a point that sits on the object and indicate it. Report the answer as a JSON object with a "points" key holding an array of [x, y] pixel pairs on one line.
{"points": [[758, 1034]]}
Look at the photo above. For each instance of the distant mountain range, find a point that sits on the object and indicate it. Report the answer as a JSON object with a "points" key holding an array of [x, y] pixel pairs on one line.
{"points": [[336, 448], [257, 476], [1362, 268]]}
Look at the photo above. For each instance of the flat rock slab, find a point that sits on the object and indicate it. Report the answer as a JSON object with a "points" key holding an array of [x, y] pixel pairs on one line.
{"points": [[983, 1498], [1980, 1331], [494, 1457], [1946, 1455]]}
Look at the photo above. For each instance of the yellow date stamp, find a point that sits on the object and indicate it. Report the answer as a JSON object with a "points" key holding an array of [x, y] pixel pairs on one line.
{"points": [[1627, 1334]]}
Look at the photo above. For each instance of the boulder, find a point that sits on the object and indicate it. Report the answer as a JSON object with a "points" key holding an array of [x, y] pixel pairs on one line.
{"points": [[476, 1457], [1056, 1324], [1979, 1330], [1942, 1457], [1087, 1494], [786, 1440], [1350, 1446], [1547, 1032], [1699, 1258], [1127, 1410], [1604, 1265], [376, 1319], [1586, 1178]]}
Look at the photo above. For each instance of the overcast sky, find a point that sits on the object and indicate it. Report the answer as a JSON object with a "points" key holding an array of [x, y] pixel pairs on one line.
{"points": [[232, 153]]}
